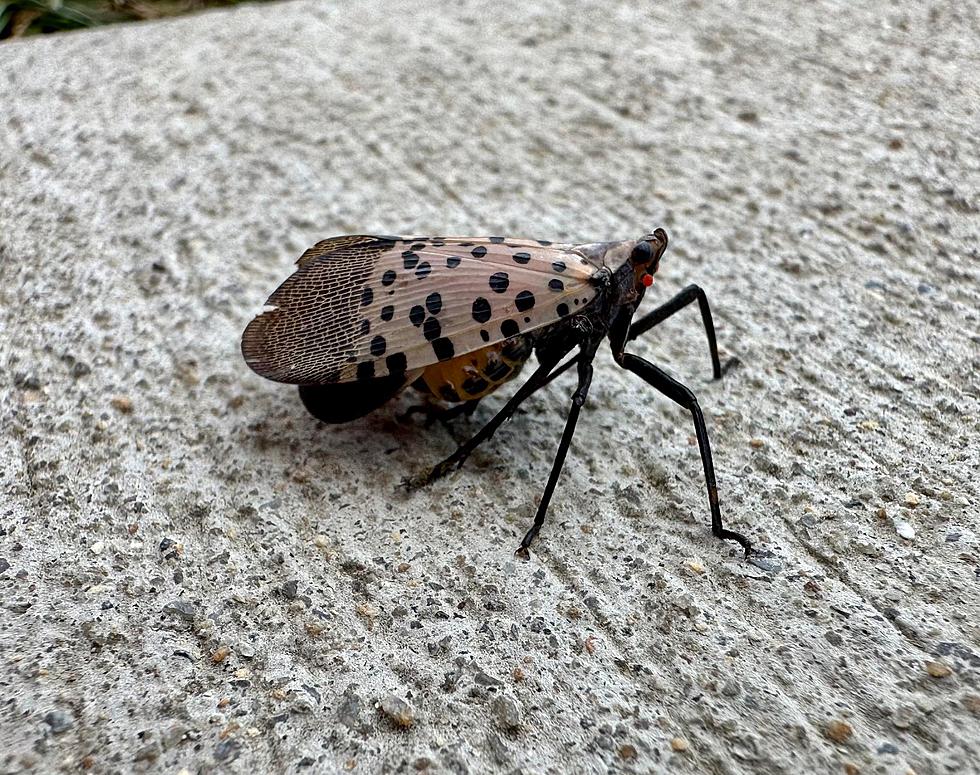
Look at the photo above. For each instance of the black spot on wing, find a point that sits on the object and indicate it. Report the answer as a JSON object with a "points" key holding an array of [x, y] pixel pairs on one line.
{"points": [[431, 329], [411, 259], [524, 301], [397, 363], [453, 261], [417, 315], [387, 312], [479, 251], [499, 282], [509, 328], [481, 310], [423, 269], [556, 285], [522, 257], [378, 346], [443, 348], [388, 277], [433, 303]]}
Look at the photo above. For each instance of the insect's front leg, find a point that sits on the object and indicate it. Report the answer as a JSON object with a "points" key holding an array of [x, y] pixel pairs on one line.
{"points": [[687, 296], [682, 395], [586, 354]]}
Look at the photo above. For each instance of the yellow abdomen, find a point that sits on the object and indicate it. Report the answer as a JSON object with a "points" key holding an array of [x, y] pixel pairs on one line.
{"points": [[476, 373]]}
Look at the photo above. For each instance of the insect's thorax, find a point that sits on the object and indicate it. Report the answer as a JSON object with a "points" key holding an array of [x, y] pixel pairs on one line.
{"points": [[477, 373]]}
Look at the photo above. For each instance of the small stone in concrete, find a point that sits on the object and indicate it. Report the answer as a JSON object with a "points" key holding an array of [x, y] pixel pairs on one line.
{"points": [[398, 710], [183, 609], [507, 711], [838, 730], [59, 721]]}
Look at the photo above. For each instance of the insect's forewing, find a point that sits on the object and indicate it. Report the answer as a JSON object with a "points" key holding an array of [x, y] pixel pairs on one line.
{"points": [[364, 306]]}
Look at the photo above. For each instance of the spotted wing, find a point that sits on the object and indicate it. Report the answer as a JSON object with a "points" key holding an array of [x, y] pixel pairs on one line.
{"points": [[366, 306]]}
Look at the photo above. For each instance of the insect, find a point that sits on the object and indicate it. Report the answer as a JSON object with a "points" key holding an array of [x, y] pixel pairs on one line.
{"points": [[363, 317]]}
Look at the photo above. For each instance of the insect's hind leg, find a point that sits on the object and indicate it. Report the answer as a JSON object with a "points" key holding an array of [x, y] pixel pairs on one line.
{"points": [[537, 380], [682, 395], [687, 296]]}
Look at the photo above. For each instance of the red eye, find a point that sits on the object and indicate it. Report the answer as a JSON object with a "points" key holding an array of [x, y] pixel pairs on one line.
{"points": [[647, 280]]}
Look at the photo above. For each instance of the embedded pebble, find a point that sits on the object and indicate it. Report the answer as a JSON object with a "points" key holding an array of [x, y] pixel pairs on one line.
{"points": [[220, 654], [507, 711], [765, 561], [398, 710], [839, 731], [694, 567], [59, 721], [971, 702], [349, 711], [181, 608], [679, 744], [627, 752], [938, 669], [904, 529], [227, 750], [122, 404]]}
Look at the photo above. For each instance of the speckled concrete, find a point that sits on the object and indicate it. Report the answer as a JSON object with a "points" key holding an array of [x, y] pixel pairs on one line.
{"points": [[198, 576]]}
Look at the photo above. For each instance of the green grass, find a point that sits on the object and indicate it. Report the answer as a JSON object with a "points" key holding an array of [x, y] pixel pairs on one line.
{"points": [[31, 17]]}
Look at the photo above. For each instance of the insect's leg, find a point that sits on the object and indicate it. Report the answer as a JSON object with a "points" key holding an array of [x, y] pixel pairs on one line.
{"points": [[441, 414], [659, 315], [680, 394], [584, 360], [676, 304], [455, 460]]}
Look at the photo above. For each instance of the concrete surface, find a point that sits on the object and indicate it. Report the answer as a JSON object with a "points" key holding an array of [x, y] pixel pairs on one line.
{"points": [[199, 577]]}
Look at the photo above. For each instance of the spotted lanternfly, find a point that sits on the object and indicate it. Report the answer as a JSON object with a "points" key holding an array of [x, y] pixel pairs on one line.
{"points": [[363, 317]]}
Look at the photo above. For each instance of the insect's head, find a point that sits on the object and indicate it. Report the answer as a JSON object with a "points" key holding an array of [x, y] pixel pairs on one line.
{"points": [[645, 258]]}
